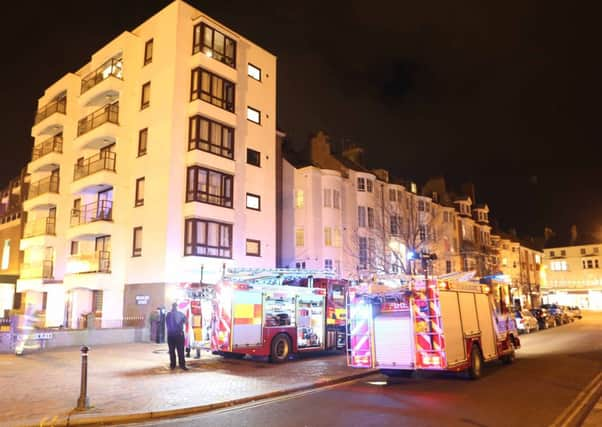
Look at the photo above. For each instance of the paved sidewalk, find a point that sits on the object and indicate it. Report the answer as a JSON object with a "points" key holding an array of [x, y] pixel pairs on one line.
{"points": [[136, 379]]}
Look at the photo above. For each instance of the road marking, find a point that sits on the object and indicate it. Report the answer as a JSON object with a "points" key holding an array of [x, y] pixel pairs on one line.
{"points": [[566, 417]]}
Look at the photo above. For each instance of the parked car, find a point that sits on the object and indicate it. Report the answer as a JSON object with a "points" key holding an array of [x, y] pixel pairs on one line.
{"points": [[569, 313], [544, 319], [525, 321], [576, 312], [560, 316]]}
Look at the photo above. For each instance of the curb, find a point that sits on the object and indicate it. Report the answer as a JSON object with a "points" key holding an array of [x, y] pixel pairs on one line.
{"points": [[77, 420], [581, 406]]}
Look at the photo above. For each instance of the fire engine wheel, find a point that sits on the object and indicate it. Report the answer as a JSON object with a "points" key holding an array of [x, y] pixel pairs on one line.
{"points": [[476, 363], [281, 348]]}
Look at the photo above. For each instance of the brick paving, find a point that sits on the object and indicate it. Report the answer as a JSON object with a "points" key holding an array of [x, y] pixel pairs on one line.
{"points": [[135, 378]]}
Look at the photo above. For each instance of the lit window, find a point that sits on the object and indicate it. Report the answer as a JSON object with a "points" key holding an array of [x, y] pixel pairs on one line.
{"points": [[253, 247], [253, 115], [5, 254], [211, 88], [299, 237], [337, 238], [253, 202], [299, 199], [327, 236], [214, 44], [254, 72]]}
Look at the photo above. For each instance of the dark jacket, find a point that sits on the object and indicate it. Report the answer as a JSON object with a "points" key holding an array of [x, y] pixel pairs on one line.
{"points": [[175, 321]]}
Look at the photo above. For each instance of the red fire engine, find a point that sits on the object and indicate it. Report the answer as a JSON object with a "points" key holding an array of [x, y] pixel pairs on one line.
{"points": [[430, 325], [277, 313]]}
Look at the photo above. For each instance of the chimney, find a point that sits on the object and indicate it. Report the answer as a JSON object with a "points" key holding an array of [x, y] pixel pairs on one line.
{"points": [[469, 190], [354, 153], [573, 234], [548, 233], [319, 147]]}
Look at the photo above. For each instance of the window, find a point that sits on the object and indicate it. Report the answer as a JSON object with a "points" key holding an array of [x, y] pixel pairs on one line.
{"points": [[448, 267], [399, 196], [97, 297], [74, 247], [142, 141], [207, 238], [369, 185], [328, 264], [337, 238], [421, 205], [551, 252], [422, 232], [363, 253], [336, 199], [253, 247], [299, 199], [5, 254], [327, 198], [596, 265], [299, 237], [210, 88], [327, 236], [392, 195], [253, 157], [209, 186], [254, 72], [137, 242], [596, 250], [148, 52], [370, 217], [582, 251], [395, 225], [559, 266], [145, 96], [300, 264], [361, 184], [562, 252], [212, 137], [214, 44], [139, 201], [254, 115], [253, 202], [361, 216]]}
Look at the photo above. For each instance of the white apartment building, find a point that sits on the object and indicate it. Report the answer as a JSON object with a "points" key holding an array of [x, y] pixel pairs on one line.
{"points": [[339, 215], [152, 165], [573, 275]]}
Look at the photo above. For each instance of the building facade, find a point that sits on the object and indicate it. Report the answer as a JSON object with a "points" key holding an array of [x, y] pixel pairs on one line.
{"points": [[11, 225], [573, 276], [153, 164]]}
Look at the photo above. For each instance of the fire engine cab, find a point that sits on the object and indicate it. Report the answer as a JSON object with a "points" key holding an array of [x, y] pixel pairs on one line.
{"points": [[430, 325], [278, 314]]}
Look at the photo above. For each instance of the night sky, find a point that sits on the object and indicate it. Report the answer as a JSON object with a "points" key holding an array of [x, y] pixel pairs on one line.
{"points": [[504, 94]]}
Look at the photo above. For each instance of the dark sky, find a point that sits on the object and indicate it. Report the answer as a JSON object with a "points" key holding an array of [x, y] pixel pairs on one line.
{"points": [[505, 94]]}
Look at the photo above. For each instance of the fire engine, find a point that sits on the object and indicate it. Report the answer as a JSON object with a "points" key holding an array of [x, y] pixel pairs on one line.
{"points": [[430, 325], [273, 313]]}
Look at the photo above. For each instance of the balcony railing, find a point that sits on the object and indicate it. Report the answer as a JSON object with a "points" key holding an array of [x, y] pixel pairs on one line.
{"points": [[41, 227], [98, 262], [101, 161], [113, 67], [106, 114], [51, 145], [37, 270], [97, 211], [43, 186], [56, 106]]}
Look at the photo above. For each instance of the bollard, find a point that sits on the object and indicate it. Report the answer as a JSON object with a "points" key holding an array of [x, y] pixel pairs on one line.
{"points": [[83, 402]]}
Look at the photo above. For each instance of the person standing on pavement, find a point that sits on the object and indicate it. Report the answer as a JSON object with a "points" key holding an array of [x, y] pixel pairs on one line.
{"points": [[175, 321]]}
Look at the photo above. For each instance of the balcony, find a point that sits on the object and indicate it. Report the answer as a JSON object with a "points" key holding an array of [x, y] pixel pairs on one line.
{"points": [[97, 262], [98, 129], [46, 154], [105, 81], [42, 194], [46, 119], [91, 220], [41, 227], [38, 270], [95, 173]]}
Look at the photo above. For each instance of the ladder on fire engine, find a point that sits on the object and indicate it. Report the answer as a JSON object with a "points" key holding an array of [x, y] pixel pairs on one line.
{"points": [[430, 343]]}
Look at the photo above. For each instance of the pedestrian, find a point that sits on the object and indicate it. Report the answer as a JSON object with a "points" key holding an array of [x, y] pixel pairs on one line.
{"points": [[175, 321]]}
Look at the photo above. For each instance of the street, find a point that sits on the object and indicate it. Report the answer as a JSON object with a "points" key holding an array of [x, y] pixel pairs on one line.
{"points": [[552, 367]]}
